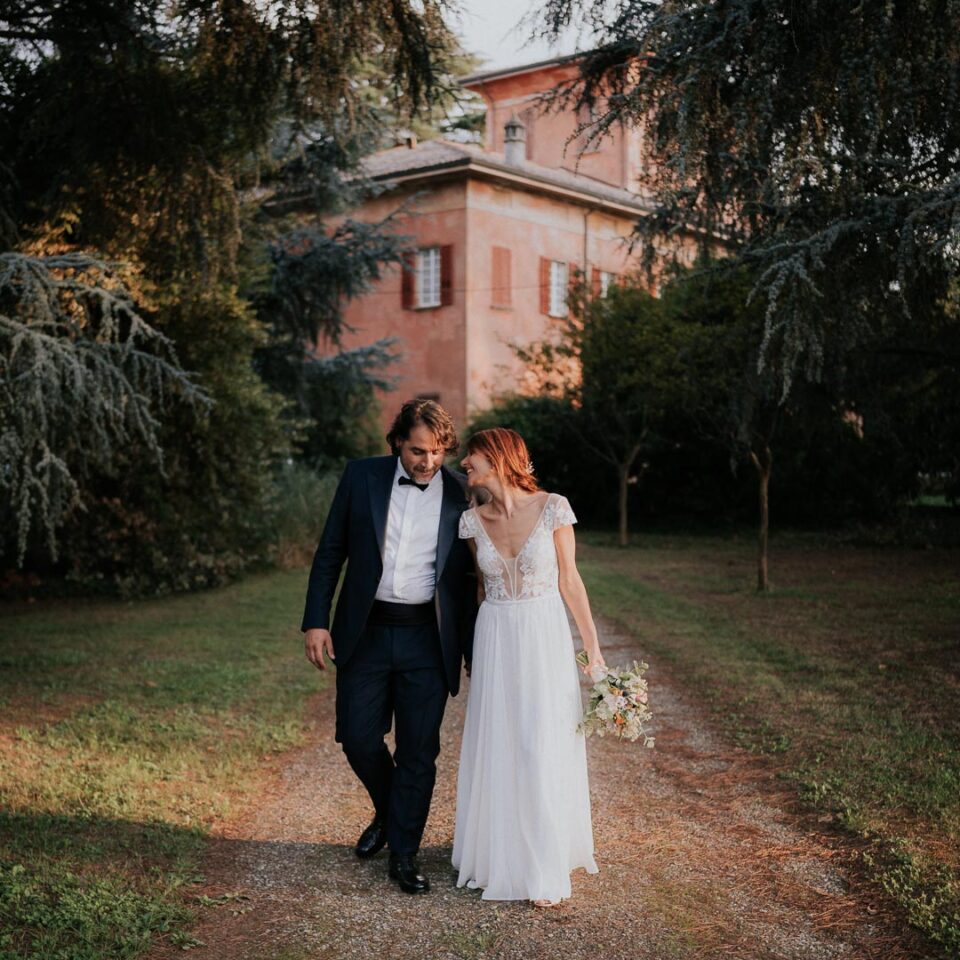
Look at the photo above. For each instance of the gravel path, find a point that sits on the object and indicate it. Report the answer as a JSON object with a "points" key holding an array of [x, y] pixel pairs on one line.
{"points": [[700, 849]]}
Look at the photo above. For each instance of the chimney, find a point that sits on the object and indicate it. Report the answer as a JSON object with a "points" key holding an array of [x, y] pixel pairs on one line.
{"points": [[514, 141], [410, 141]]}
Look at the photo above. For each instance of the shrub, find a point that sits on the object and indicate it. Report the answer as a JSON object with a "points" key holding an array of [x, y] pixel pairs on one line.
{"points": [[301, 501]]}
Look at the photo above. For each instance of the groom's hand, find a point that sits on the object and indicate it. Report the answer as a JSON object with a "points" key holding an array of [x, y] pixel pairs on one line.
{"points": [[318, 642]]}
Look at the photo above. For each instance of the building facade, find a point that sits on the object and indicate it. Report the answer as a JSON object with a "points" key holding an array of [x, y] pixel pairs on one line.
{"points": [[500, 232]]}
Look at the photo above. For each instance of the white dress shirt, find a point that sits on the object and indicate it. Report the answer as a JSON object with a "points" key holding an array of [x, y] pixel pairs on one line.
{"points": [[410, 542]]}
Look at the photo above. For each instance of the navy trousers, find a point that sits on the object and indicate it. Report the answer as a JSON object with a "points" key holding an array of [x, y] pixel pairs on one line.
{"points": [[396, 674]]}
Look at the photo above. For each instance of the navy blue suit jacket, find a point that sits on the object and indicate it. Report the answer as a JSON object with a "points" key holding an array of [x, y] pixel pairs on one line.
{"points": [[354, 533]]}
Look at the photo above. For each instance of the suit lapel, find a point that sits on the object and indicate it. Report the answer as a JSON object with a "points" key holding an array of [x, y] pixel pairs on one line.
{"points": [[381, 485], [451, 506]]}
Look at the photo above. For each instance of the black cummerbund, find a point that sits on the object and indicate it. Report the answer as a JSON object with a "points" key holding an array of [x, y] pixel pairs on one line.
{"points": [[386, 614]]}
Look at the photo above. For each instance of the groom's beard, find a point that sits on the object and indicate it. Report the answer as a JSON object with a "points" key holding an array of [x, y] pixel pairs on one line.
{"points": [[425, 475], [421, 475], [418, 473]]}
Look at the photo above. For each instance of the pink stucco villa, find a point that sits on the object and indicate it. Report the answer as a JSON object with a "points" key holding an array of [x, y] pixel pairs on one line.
{"points": [[499, 231]]}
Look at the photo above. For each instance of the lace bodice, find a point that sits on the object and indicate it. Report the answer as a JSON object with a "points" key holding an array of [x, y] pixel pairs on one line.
{"points": [[533, 571]]}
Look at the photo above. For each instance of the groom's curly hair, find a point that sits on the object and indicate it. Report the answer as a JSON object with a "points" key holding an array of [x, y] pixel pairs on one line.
{"points": [[432, 416]]}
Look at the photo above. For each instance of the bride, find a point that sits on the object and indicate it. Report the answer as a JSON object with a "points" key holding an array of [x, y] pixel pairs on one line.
{"points": [[523, 803]]}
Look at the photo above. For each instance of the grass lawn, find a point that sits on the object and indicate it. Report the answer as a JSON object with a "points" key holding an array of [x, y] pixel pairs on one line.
{"points": [[126, 730], [848, 671]]}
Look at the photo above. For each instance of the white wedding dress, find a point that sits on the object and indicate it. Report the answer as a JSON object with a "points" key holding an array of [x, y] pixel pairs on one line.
{"points": [[523, 802]]}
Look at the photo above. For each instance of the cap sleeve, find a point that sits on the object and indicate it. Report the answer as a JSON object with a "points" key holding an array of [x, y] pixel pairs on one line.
{"points": [[561, 513], [468, 529]]}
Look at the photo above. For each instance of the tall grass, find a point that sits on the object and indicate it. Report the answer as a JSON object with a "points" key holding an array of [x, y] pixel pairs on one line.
{"points": [[301, 501]]}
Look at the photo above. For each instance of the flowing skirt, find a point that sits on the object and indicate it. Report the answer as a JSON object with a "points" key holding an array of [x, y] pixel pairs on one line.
{"points": [[523, 801]]}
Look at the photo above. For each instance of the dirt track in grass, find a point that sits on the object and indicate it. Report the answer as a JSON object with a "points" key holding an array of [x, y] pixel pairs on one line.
{"points": [[702, 853]]}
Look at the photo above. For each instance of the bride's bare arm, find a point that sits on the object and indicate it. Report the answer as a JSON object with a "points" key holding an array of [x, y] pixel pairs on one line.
{"points": [[574, 594]]}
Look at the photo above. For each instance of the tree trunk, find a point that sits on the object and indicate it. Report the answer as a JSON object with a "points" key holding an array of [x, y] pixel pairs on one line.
{"points": [[764, 464], [624, 532], [623, 473]]}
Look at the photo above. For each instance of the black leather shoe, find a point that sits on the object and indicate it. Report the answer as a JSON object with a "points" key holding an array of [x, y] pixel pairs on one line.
{"points": [[371, 840], [406, 871]]}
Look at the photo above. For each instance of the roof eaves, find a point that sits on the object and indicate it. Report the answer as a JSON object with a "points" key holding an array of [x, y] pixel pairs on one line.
{"points": [[580, 194], [415, 171], [485, 75], [518, 176]]}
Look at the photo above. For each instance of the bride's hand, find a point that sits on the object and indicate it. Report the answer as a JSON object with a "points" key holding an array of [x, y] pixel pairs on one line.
{"points": [[595, 668]]}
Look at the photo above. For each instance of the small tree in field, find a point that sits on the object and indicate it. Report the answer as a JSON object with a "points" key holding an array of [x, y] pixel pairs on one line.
{"points": [[733, 400], [621, 363]]}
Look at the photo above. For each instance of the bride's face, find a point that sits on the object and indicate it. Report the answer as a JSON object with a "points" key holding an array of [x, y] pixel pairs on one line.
{"points": [[478, 469]]}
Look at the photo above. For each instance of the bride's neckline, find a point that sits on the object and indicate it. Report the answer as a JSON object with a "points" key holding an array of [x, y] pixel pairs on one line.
{"points": [[523, 546]]}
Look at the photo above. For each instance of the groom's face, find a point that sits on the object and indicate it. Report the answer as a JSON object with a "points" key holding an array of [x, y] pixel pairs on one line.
{"points": [[421, 454]]}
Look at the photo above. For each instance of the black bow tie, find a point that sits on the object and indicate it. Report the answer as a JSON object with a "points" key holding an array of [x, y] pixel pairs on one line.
{"points": [[413, 483]]}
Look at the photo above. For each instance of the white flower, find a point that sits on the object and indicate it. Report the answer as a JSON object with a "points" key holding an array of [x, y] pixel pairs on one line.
{"points": [[612, 702], [603, 711]]}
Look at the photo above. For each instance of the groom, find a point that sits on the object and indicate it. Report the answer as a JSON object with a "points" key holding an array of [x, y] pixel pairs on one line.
{"points": [[403, 622]]}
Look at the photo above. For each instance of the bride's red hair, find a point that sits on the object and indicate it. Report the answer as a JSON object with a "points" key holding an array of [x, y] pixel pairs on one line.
{"points": [[508, 454]]}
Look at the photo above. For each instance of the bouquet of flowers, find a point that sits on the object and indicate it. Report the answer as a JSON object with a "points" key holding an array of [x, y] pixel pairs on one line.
{"points": [[618, 704]]}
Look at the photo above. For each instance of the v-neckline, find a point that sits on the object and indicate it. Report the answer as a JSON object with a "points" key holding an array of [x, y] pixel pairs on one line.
{"points": [[523, 546]]}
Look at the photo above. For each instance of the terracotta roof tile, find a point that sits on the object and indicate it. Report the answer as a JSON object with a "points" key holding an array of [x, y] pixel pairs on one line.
{"points": [[402, 159], [433, 154]]}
